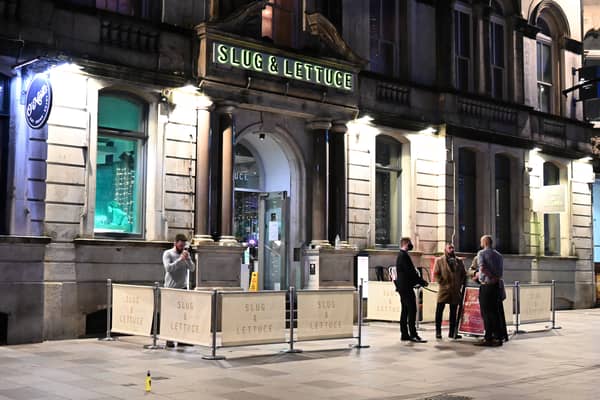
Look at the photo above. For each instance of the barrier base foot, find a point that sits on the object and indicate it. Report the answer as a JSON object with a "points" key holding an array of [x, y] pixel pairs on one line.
{"points": [[361, 346], [292, 351], [153, 347], [213, 358], [554, 327], [107, 339], [519, 332]]}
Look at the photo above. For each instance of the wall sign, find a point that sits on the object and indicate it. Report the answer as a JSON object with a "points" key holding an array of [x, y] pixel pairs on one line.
{"points": [[550, 199], [253, 60], [38, 101]]}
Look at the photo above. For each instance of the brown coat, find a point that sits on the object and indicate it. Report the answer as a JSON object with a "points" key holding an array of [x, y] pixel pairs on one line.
{"points": [[450, 282]]}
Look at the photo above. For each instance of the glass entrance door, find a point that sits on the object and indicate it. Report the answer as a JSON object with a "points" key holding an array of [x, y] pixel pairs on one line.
{"points": [[273, 218]]}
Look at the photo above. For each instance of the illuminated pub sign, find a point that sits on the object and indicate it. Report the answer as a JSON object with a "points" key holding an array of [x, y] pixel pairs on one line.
{"points": [[253, 60]]}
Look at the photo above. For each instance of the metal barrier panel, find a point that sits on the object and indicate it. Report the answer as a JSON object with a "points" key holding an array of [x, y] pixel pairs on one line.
{"points": [[325, 314], [252, 318], [535, 303], [430, 304], [133, 308], [384, 302], [185, 316]]}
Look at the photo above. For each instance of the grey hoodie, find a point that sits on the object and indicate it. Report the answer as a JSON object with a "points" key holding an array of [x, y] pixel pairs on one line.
{"points": [[176, 269]]}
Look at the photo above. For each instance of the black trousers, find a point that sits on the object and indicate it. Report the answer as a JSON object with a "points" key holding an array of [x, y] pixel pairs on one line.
{"points": [[489, 303], [439, 314], [408, 315]]}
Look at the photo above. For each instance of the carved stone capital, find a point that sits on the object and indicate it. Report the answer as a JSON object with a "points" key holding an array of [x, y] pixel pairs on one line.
{"points": [[226, 107], [318, 125], [339, 127]]}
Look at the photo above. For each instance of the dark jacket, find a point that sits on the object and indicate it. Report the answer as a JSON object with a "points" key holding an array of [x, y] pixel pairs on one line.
{"points": [[407, 276]]}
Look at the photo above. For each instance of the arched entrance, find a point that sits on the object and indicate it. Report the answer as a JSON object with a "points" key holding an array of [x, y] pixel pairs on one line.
{"points": [[266, 206]]}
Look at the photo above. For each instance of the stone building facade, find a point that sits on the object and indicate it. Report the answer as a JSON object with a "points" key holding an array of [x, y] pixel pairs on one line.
{"points": [[272, 131]]}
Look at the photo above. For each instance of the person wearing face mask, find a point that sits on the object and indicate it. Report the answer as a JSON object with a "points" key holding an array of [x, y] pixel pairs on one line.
{"points": [[406, 279], [449, 271]]}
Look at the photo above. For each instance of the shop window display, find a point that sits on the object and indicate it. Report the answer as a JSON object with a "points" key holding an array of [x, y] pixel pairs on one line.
{"points": [[118, 199]]}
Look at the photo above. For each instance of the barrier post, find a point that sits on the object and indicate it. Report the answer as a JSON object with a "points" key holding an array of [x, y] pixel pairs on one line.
{"points": [[360, 317], [553, 302], [214, 307], [108, 338], [292, 295], [154, 344], [518, 307]]}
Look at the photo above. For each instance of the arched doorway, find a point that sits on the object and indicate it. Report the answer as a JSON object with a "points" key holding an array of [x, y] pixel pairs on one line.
{"points": [[265, 207]]}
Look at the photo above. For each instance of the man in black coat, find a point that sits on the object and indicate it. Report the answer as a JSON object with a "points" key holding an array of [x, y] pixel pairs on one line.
{"points": [[406, 279]]}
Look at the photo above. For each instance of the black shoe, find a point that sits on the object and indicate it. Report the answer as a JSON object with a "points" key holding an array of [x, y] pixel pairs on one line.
{"points": [[456, 337], [438, 335], [486, 343], [170, 344], [417, 339], [404, 338]]}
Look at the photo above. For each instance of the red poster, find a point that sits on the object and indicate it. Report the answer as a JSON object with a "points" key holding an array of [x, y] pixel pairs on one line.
{"points": [[471, 322]]}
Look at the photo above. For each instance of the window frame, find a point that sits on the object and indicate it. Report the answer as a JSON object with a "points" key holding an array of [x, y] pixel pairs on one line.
{"points": [[4, 154], [395, 44], [498, 20], [544, 40], [397, 170], [141, 139], [464, 9], [293, 39]]}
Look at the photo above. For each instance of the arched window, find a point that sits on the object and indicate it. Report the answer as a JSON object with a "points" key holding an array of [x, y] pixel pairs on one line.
{"points": [[388, 193], [551, 221], [463, 44], [119, 168], [503, 204], [4, 114], [553, 27], [467, 206], [497, 29], [545, 70]]}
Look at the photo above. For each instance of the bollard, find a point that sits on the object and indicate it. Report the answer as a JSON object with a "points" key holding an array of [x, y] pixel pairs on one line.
{"points": [[154, 345], [553, 302], [214, 310], [360, 318], [292, 294], [518, 307], [108, 338]]}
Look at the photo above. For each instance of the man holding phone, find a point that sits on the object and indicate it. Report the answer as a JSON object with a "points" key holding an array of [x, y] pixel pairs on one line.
{"points": [[177, 263]]}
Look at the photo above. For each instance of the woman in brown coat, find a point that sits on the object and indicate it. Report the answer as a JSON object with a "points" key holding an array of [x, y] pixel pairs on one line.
{"points": [[449, 271]]}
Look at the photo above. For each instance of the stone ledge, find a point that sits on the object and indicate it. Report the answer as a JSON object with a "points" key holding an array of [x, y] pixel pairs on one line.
{"points": [[121, 242], [25, 239]]}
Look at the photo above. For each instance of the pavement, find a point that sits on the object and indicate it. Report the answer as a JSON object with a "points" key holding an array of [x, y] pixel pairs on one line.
{"points": [[549, 364]]}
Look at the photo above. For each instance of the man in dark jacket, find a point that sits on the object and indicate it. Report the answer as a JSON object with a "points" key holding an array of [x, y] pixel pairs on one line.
{"points": [[406, 279]]}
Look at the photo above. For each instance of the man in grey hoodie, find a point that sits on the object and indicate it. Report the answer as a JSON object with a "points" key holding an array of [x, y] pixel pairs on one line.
{"points": [[177, 261]]}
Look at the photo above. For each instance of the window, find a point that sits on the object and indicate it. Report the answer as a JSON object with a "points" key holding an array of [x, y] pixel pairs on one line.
{"points": [[121, 134], [388, 199], [544, 67], [4, 114], [247, 188], [462, 47], [147, 9], [332, 10], [497, 52], [279, 22], [467, 206], [551, 221], [383, 31], [503, 204]]}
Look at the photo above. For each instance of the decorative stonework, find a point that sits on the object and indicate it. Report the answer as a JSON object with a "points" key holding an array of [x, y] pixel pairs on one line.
{"points": [[491, 111], [392, 93], [128, 36]]}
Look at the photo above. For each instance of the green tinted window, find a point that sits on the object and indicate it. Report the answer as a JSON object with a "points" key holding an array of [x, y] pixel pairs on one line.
{"points": [[117, 186], [120, 113]]}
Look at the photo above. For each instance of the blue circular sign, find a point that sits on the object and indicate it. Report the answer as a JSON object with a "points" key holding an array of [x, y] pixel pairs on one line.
{"points": [[38, 101]]}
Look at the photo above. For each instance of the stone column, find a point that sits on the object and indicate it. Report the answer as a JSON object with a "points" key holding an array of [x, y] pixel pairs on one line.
{"points": [[337, 181], [226, 129], [319, 175], [201, 228]]}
